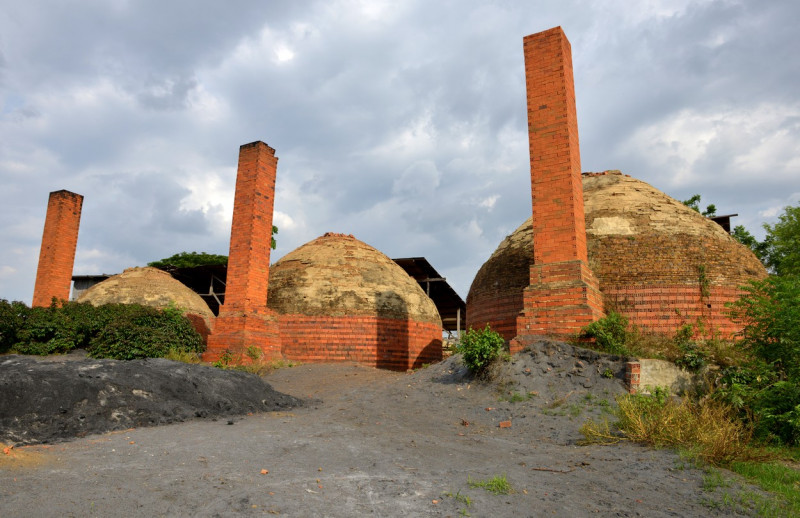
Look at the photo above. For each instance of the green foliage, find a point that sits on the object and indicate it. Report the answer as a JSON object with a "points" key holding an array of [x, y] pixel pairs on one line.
{"points": [[59, 329], [770, 312], [703, 281], [692, 357], [762, 398], [782, 244], [777, 478], [190, 259], [12, 315], [694, 203], [480, 348], [498, 484], [610, 333], [122, 331], [145, 332], [742, 235], [272, 243]]}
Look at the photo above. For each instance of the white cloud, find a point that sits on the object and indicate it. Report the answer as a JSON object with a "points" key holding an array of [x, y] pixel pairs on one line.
{"points": [[489, 202], [403, 123]]}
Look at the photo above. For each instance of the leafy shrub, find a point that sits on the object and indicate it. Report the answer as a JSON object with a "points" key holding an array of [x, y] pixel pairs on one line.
{"points": [[145, 332], [480, 348], [770, 312], [12, 316], [770, 404], [610, 333], [56, 329], [122, 331], [692, 356], [767, 391]]}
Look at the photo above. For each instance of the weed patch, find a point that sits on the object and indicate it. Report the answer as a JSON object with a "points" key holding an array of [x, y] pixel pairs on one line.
{"points": [[498, 485]]}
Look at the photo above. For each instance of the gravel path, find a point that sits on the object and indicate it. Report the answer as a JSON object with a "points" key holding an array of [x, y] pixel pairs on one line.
{"points": [[376, 443]]}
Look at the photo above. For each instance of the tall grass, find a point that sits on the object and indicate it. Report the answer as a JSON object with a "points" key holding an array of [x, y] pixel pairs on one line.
{"points": [[708, 430]]}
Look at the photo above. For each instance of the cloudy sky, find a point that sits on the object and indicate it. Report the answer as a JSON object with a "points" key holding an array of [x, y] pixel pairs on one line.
{"points": [[402, 122]]}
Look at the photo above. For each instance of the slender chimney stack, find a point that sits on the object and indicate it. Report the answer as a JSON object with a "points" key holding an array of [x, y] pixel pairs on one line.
{"points": [[57, 255], [563, 295], [244, 320]]}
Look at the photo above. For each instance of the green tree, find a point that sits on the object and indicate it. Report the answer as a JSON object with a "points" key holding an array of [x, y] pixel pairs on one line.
{"points": [[694, 203], [781, 248], [190, 259]]}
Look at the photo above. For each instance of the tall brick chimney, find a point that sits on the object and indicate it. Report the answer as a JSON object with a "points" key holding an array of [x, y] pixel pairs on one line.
{"points": [[59, 240], [244, 320], [563, 295]]}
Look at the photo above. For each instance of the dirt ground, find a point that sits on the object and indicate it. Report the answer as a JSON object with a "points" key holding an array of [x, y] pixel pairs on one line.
{"points": [[377, 443]]}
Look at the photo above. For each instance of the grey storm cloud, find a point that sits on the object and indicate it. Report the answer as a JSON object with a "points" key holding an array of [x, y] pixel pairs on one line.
{"points": [[403, 123]]}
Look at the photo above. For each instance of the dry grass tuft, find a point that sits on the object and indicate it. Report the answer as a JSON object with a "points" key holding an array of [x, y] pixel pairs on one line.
{"points": [[708, 429], [599, 432], [183, 356]]}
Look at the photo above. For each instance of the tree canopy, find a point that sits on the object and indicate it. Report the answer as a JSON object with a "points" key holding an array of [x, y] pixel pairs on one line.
{"points": [[782, 244], [694, 203], [190, 259]]}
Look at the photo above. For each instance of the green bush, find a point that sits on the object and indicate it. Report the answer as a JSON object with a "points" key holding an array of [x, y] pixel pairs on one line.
{"points": [[692, 357], [122, 331], [480, 348], [59, 329], [766, 391], [610, 333], [12, 316], [145, 332], [770, 312], [763, 398]]}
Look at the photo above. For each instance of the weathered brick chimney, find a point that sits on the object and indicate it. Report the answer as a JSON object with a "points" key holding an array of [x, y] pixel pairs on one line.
{"points": [[59, 240], [244, 324], [563, 295]]}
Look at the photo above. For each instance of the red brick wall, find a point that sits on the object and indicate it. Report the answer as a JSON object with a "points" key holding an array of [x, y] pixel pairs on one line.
{"points": [[244, 320], [658, 308], [59, 240], [664, 308], [497, 310], [380, 342], [563, 293]]}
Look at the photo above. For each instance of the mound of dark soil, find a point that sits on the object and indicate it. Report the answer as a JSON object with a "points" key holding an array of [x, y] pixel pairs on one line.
{"points": [[56, 398]]}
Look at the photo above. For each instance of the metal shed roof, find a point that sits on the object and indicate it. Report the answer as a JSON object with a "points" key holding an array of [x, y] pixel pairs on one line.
{"points": [[450, 305]]}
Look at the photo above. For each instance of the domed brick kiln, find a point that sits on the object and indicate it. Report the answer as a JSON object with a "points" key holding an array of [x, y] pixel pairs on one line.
{"points": [[151, 287], [339, 299], [658, 262]]}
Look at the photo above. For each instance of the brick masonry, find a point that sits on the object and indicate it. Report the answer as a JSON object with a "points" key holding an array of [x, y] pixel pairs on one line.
{"points": [[633, 374], [386, 343], [244, 320], [563, 294], [663, 267], [59, 241]]}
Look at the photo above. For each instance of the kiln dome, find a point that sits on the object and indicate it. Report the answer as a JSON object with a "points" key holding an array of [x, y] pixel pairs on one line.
{"points": [[338, 299], [149, 287], [642, 244], [338, 275]]}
